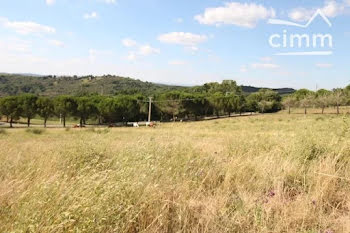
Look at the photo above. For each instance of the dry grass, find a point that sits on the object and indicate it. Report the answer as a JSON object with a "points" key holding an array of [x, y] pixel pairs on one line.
{"points": [[271, 173]]}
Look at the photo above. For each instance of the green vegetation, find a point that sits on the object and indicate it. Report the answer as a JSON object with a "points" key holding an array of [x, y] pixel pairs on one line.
{"points": [[265, 173], [322, 99], [211, 99], [11, 84], [10, 107], [45, 108], [35, 131], [208, 100], [54, 86]]}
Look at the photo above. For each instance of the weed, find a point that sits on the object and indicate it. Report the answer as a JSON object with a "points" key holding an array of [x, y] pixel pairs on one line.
{"points": [[35, 131]]}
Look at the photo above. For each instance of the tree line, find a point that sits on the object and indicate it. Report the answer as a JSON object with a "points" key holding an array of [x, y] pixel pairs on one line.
{"points": [[211, 99], [322, 99]]}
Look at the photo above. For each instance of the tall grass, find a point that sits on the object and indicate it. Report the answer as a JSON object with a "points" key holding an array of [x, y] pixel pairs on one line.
{"points": [[35, 131], [271, 173]]}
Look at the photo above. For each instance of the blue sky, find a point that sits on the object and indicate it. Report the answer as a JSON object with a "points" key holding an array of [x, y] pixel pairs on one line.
{"points": [[186, 42]]}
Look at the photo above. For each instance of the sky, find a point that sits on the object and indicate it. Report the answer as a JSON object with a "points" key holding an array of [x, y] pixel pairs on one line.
{"points": [[183, 42]]}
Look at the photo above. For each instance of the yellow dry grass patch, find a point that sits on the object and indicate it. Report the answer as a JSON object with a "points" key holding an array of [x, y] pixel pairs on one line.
{"points": [[267, 173]]}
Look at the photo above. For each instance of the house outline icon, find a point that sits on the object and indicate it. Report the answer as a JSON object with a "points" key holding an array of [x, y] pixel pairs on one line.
{"points": [[319, 12]]}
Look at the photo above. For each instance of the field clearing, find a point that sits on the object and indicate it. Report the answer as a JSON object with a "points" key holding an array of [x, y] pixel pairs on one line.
{"points": [[265, 173]]}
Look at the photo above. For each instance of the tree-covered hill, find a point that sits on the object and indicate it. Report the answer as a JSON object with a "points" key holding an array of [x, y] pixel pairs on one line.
{"points": [[14, 84]]}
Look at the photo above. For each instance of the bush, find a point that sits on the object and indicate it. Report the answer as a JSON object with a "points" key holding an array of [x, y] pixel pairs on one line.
{"points": [[98, 131], [35, 131], [103, 131]]}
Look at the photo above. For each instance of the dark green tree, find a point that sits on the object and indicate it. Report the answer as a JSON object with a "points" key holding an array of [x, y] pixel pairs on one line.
{"points": [[64, 106], [45, 108], [108, 109], [170, 104], [28, 105], [128, 107], [264, 101], [217, 102], [11, 108], [194, 104], [85, 107]]}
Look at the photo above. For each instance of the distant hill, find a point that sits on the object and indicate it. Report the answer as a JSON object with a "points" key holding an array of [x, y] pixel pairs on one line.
{"points": [[52, 86], [14, 84], [281, 91]]}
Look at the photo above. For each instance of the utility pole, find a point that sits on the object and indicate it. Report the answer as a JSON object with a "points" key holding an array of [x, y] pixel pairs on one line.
{"points": [[149, 109]]}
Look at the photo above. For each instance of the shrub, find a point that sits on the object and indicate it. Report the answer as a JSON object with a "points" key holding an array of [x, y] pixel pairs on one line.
{"points": [[35, 131]]}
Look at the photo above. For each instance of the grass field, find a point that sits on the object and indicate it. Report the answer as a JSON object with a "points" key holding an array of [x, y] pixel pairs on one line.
{"points": [[266, 173]]}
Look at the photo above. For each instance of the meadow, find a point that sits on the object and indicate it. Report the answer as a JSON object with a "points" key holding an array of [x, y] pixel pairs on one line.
{"points": [[264, 173]]}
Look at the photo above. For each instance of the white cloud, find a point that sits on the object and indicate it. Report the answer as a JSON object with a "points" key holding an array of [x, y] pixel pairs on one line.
{"points": [[182, 38], [110, 1], [324, 65], [146, 50], [300, 14], [50, 2], [235, 13], [331, 9], [142, 51], [138, 50], [176, 62], [26, 27], [92, 15], [56, 43], [265, 66], [129, 42]]}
